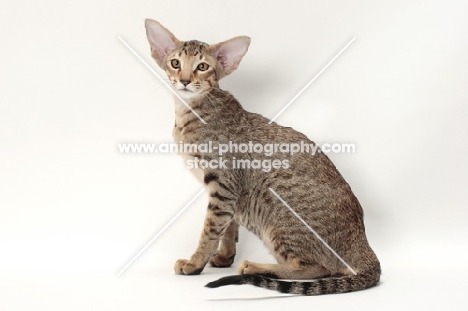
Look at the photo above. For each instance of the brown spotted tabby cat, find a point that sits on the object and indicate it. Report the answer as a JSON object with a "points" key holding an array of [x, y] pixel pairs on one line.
{"points": [[309, 183]]}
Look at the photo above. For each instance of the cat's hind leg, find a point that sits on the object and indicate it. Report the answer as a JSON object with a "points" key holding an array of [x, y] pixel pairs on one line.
{"points": [[227, 247], [285, 270]]}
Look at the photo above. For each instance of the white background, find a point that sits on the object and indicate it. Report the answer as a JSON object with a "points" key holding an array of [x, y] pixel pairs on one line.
{"points": [[74, 211]]}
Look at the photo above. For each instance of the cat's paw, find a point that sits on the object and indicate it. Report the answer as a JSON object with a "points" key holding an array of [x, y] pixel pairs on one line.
{"points": [[221, 261], [184, 266], [247, 267]]}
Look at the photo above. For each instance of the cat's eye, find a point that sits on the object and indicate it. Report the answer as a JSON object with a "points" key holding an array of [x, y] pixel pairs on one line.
{"points": [[175, 63], [202, 66]]}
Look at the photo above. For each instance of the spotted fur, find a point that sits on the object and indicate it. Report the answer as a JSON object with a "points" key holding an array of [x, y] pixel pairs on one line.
{"points": [[310, 184]]}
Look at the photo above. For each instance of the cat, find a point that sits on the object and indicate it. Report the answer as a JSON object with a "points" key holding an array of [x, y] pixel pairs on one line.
{"points": [[309, 183]]}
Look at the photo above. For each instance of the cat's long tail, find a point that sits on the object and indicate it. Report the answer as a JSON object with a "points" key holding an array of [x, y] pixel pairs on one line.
{"points": [[344, 284]]}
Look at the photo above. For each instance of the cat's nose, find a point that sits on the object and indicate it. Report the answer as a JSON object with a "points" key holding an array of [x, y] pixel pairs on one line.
{"points": [[185, 82]]}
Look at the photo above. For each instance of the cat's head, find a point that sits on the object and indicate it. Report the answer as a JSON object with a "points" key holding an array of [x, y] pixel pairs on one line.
{"points": [[193, 67]]}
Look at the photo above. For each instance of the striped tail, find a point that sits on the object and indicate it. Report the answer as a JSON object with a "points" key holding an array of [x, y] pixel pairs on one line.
{"points": [[323, 286]]}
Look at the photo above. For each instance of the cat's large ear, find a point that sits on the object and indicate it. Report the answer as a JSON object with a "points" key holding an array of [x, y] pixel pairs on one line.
{"points": [[229, 53], [161, 40]]}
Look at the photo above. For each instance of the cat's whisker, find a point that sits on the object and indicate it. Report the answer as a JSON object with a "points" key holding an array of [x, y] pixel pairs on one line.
{"points": [[210, 101], [157, 87], [211, 98]]}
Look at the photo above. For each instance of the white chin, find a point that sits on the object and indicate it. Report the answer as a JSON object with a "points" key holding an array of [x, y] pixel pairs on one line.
{"points": [[187, 94]]}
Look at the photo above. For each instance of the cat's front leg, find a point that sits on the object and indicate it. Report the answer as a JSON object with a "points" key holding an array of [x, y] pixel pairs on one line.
{"points": [[219, 216], [227, 247]]}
